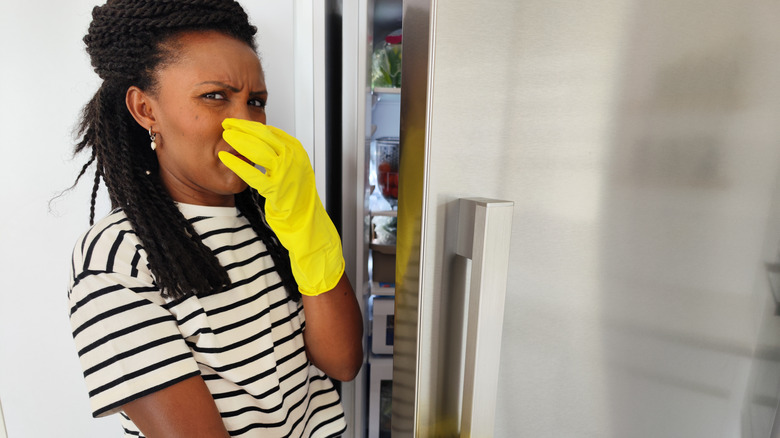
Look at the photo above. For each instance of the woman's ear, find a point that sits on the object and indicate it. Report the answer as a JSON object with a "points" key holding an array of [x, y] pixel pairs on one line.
{"points": [[140, 106]]}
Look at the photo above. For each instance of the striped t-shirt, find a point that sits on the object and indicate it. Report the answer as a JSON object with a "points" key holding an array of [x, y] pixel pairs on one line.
{"points": [[246, 342]]}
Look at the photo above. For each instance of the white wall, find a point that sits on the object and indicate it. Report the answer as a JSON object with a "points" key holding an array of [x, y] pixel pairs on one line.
{"points": [[45, 79]]}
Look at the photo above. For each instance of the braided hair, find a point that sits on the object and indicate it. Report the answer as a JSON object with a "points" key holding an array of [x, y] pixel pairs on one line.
{"points": [[128, 41]]}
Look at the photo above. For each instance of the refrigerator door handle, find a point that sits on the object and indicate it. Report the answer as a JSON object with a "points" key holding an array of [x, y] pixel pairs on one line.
{"points": [[484, 229]]}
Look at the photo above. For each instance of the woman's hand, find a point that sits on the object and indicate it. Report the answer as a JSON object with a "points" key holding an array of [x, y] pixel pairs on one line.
{"points": [[293, 208]]}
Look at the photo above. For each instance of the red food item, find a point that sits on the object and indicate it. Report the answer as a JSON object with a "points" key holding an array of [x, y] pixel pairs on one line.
{"points": [[388, 180]]}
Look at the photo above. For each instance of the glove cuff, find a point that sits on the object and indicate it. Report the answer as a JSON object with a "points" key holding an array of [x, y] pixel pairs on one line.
{"points": [[314, 245], [330, 278]]}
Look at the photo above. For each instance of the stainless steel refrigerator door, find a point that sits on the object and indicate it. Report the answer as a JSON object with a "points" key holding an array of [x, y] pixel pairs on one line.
{"points": [[639, 143]]}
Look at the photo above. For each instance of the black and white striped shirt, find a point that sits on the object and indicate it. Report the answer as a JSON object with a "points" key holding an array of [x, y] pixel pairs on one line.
{"points": [[246, 342]]}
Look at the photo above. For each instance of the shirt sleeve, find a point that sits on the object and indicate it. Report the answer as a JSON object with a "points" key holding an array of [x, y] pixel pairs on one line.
{"points": [[128, 343]]}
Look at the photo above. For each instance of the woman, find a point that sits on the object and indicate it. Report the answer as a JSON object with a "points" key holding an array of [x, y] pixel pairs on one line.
{"points": [[212, 300]]}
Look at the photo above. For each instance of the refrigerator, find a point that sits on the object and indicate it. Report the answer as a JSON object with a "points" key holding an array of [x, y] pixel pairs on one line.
{"points": [[588, 216]]}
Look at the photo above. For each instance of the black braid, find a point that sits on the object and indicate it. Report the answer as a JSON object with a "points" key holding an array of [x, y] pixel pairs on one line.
{"points": [[92, 202], [128, 40]]}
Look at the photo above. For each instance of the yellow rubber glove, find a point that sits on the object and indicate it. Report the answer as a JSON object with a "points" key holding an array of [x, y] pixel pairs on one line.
{"points": [[292, 209]]}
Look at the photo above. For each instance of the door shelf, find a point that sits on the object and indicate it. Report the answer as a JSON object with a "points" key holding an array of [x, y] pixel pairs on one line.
{"points": [[382, 288]]}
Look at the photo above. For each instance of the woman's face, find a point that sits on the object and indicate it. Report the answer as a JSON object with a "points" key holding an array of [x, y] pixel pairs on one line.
{"points": [[213, 77]]}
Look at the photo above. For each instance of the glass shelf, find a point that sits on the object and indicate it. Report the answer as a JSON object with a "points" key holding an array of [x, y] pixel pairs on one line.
{"points": [[386, 90]]}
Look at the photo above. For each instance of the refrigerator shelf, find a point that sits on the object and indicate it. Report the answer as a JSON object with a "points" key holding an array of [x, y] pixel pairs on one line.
{"points": [[392, 213], [386, 90]]}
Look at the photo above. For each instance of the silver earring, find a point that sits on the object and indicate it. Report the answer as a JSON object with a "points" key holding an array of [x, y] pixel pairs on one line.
{"points": [[152, 137]]}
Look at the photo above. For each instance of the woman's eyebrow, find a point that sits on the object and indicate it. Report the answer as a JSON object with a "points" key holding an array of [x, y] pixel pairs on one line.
{"points": [[232, 88], [220, 84]]}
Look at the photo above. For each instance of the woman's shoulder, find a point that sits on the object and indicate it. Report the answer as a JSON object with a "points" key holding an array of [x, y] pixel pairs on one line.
{"points": [[106, 228], [107, 244], [116, 219]]}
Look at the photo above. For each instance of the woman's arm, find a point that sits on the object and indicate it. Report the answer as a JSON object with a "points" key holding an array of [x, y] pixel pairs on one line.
{"points": [[182, 410], [293, 210], [334, 331]]}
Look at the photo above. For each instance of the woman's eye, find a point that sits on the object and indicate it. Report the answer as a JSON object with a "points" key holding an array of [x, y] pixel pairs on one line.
{"points": [[215, 96], [257, 103]]}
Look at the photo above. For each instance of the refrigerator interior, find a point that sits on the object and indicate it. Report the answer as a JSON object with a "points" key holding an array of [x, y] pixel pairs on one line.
{"points": [[382, 166], [374, 127]]}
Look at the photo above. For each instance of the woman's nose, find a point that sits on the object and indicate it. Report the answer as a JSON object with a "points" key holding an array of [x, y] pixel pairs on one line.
{"points": [[247, 112], [241, 111]]}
